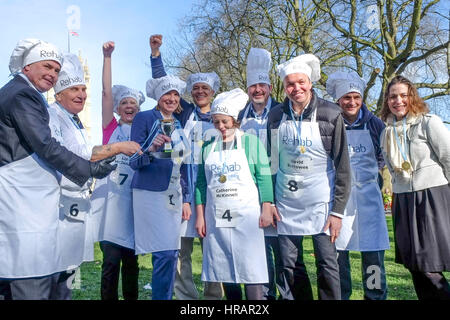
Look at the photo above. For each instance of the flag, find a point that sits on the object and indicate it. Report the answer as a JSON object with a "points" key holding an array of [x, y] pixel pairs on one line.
{"points": [[73, 33]]}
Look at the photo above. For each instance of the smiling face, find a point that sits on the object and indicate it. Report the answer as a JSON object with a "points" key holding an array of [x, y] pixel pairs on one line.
{"points": [[398, 100], [225, 124], [127, 110], [297, 87], [169, 102], [350, 104], [259, 93], [42, 74], [202, 94], [73, 98]]}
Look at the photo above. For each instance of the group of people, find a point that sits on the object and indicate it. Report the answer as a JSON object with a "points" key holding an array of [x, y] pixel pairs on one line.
{"points": [[246, 174]]}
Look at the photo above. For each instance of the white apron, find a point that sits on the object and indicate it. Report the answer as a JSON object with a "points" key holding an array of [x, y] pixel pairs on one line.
{"points": [[74, 244], [305, 181], [157, 214], [29, 219], [364, 224], [112, 199], [233, 249], [258, 127], [194, 131]]}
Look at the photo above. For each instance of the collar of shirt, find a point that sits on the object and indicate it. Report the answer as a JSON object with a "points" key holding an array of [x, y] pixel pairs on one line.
{"points": [[29, 82], [297, 115], [202, 116], [354, 124], [253, 113]]}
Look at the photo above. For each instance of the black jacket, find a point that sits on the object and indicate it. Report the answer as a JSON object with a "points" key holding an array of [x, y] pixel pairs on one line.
{"points": [[24, 130], [332, 132]]}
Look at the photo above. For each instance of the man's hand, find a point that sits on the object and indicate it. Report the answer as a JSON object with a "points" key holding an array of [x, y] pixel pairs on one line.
{"points": [[102, 168], [129, 148], [155, 42], [108, 48], [334, 224], [186, 212]]}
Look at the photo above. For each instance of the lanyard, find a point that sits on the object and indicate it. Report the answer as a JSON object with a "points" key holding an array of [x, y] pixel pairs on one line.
{"points": [[298, 127], [403, 149]]}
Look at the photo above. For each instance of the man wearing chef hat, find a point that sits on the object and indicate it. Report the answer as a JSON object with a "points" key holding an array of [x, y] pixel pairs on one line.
{"points": [[253, 119], [364, 224], [29, 159], [306, 134], [75, 204]]}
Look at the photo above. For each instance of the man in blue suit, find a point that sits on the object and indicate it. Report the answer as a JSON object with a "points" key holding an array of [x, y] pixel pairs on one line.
{"points": [[29, 186]]}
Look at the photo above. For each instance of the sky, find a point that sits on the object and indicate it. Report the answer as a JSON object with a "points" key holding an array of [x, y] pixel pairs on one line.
{"points": [[128, 23]]}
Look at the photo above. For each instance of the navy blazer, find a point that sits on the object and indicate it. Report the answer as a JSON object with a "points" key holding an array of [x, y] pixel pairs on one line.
{"points": [[24, 130], [152, 174]]}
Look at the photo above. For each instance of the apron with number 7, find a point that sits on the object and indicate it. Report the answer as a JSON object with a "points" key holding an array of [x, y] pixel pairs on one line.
{"points": [[233, 250], [112, 199]]}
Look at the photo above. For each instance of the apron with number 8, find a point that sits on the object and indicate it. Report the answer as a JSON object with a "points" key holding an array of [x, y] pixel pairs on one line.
{"points": [[307, 169], [233, 250]]}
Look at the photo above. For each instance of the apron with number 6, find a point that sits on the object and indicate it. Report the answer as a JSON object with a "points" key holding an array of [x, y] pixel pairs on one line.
{"points": [[364, 224], [74, 244], [305, 180], [233, 249], [157, 214], [112, 199], [194, 130]]}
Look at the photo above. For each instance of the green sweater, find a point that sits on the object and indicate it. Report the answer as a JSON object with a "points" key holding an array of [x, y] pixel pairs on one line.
{"points": [[257, 161]]}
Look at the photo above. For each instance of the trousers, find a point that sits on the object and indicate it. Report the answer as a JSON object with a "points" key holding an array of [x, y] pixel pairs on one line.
{"points": [[295, 273], [373, 275], [119, 260], [184, 287]]}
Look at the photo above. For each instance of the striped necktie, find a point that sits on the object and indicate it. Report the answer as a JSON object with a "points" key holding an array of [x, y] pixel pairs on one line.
{"points": [[77, 121]]}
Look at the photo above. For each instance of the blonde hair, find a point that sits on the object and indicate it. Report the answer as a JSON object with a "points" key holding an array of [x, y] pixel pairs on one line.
{"points": [[415, 102], [177, 110]]}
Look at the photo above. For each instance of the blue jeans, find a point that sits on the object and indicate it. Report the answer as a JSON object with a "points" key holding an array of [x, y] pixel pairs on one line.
{"points": [[373, 275], [163, 276]]}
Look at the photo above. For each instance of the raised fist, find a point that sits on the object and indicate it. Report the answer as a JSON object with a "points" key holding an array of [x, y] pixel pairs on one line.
{"points": [[108, 48]]}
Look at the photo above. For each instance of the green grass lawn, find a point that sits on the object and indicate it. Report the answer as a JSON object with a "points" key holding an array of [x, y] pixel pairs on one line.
{"points": [[398, 278]]}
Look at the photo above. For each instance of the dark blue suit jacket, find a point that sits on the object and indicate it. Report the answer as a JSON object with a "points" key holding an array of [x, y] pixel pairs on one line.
{"points": [[24, 130]]}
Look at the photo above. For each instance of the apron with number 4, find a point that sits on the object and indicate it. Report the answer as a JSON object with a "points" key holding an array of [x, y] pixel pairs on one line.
{"points": [[364, 224], [157, 214], [194, 130], [305, 180], [74, 244], [112, 199], [233, 249], [258, 127]]}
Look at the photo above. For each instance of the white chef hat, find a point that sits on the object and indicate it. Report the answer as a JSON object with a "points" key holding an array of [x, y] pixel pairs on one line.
{"points": [[29, 51], [156, 88], [71, 73], [211, 79], [229, 103], [308, 64], [259, 63], [120, 92], [341, 83]]}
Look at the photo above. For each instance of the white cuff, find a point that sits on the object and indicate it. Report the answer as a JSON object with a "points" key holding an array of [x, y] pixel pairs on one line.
{"points": [[339, 215]]}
